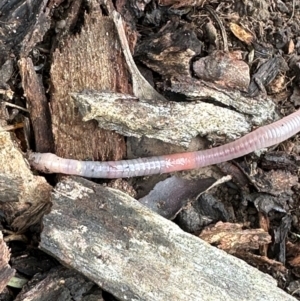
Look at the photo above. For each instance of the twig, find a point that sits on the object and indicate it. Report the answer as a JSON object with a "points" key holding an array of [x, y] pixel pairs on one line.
{"points": [[141, 88], [220, 24]]}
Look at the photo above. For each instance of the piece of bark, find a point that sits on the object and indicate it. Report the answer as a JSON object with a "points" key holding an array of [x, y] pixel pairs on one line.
{"points": [[6, 72], [274, 182], [92, 60], [232, 237], [33, 198], [280, 234], [256, 110], [31, 261], [293, 253], [264, 264], [65, 27], [38, 106], [23, 25], [280, 160], [60, 284], [226, 69], [10, 188], [136, 254], [265, 74], [6, 272], [206, 210], [172, 122], [170, 51]]}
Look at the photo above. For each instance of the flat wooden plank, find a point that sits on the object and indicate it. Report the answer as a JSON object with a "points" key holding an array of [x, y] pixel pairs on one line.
{"points": [[136, 254]]}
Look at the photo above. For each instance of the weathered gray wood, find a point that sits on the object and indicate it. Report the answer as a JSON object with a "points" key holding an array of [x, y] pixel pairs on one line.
{"points": [[138, 255], [256, 110], [172, 122], [10, 188]]}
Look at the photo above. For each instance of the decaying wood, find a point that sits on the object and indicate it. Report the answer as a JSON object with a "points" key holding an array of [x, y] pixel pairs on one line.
{"points": [[257, 110], [65, 27], [281, 160], [232, 237], [23, 24], [226, 69], [38, 106], [137, 255], [90, 60], [169, 52], [265, 74], [60, 284], [6, 71], [33, 198], [171, 122], [10, 188], [6, 272]]}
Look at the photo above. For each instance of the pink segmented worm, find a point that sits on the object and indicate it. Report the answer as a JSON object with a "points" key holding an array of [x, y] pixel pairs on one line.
{"points": [[260, 138]]}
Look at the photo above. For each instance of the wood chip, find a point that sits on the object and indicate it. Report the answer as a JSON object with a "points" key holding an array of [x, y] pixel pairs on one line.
{"points": [[172, 122], [136, 254]]}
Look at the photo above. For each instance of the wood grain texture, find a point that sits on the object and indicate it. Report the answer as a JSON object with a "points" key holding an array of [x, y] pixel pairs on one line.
{"points": [[91, 60], [30, 194], [38, 106], [136, 254], [173, 122]]}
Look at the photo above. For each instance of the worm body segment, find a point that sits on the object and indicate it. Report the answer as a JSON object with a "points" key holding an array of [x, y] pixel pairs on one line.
{"points": [[260, 138]]}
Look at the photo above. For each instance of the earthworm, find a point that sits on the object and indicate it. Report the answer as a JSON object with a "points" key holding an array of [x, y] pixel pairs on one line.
{"points": [[262, 137]]}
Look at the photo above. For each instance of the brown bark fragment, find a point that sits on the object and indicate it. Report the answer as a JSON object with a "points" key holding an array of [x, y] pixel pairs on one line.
{"points": [[258, 110], [170, 51], [91, 60], [231, 237], [226, 69], [38, 106]]}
